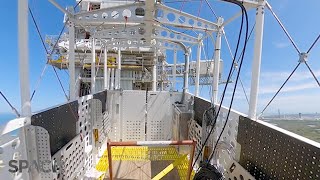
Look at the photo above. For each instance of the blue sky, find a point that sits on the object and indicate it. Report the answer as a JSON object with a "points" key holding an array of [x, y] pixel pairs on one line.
{"points": [[301, 94]]}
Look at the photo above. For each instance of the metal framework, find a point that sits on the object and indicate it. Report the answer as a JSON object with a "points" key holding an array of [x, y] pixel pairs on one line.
{"points": [[129, 42]]}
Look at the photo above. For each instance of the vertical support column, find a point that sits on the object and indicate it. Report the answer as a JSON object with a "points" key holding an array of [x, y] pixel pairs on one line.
{"points": [[24, 79], [112, 79], [256, 60], [186, 71], [24, 58], [216, 67], [154, 71], [72, 80], [197, 81], [118, 72], [93, 66], [105, 69], [174, 73]]}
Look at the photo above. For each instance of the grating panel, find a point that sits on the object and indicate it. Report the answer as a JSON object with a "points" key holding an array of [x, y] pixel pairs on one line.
{"points": [[268, 153], [60, 122]]}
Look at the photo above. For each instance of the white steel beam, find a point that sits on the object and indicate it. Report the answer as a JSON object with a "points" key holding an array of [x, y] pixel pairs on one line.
{"points": [[197, 81], [112, 79], [154, 71], [174, 81], [105, 68], [24, 57], [118, 72], [216, 72], [72, 77], [256, 64], [93, 66]]}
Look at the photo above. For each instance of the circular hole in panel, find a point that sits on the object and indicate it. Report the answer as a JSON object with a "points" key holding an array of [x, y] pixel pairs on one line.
{"points": [[104, 16], [95, 16], [115, 14], [182, 19], [160, 13], [171, 17], [191, 22], [140, 12], [141, 31], [126, 13], [164, 33]]}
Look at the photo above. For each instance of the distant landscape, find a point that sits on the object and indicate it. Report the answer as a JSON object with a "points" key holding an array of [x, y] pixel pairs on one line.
{"points": [[307, 125]]}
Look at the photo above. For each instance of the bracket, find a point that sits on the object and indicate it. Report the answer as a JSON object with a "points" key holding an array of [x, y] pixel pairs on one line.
{"points": [[125, 14], [173, 17]]}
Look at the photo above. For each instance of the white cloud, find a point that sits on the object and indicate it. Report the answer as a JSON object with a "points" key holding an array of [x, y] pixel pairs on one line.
{"points": [[292, 88], [281, 45]]}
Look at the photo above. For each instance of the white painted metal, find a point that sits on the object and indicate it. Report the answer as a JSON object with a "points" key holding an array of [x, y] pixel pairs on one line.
{"points": [[216, 74], [227, 147], [93, 66], [183, 20], [133, 119], [71, 160], [60, 8], [105, 69], [13, 125], [198, 66], [118, 72], [195, 132], [236, 171], [174, 70], [24, 57], [112, 15], [112, 84], [255, 77], [24, 79], [71, 59], [154, 71], [159, 116]]}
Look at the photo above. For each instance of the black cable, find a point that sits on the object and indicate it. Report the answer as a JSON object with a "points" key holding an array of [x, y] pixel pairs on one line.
{"points": [[313, 43], [281, 87], [283, 28], [314, 76], [224, 91], [13, 108], [46, 49], [238, 75]]}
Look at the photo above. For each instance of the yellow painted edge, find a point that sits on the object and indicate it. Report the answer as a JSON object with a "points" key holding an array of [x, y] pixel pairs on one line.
{"points": [[169, 168]]}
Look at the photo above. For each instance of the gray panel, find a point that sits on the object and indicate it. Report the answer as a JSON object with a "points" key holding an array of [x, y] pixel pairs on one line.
{"points": [[199, 107], [102, 96], [270, 154], [60, 122]]}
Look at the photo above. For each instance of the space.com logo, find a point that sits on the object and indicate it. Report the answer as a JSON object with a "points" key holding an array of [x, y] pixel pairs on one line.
{"points": [[44, 166]]}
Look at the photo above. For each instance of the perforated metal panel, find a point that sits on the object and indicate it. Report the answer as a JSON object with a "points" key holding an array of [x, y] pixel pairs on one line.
{"points": [[114, 111], [195, 133], [199, 106], [268, 153], [60, 122], [84, 125], [71, 159], [133, 108], [43, 151], [102, 96], [159, 123]]}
